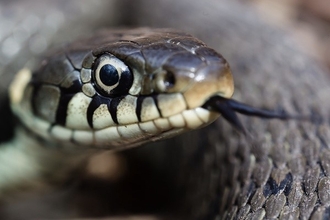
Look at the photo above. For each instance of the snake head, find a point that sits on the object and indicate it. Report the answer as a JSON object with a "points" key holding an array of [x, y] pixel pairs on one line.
{"points": [[122, 88]]}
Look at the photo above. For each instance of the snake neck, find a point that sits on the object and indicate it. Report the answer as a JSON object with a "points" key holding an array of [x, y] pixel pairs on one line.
{"points": [[26, 162]]}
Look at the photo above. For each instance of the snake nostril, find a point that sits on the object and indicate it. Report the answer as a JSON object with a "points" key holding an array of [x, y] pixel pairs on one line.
{"points": [[169, 80]]}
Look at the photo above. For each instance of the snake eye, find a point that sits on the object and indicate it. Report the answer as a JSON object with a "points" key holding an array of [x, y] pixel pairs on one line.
{"points": [[112, 76]]}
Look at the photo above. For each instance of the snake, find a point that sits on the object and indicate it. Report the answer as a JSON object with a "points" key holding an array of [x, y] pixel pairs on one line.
{"points": [[122, 88], [46, 99]]}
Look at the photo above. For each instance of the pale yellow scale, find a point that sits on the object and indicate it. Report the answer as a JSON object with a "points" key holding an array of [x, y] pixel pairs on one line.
{"points": [[171, 104], [77, 112], [177, 121], [126, 110], [61, 133], [149, 110], [102, 118], [148, 128], [106, 135], [83, 137]]}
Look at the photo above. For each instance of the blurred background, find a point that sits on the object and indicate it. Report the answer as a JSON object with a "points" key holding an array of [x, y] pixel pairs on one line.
{"points": [[307, 21]]}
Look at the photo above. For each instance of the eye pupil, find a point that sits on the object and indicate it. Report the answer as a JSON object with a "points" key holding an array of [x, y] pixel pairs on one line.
{"points": [[109, 75]]}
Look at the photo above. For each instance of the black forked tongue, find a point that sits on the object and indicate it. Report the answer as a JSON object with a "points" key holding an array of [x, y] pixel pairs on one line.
{"points": [[228, 108]]}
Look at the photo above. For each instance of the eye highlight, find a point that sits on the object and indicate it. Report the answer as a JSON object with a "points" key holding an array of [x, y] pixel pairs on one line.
{"points": [[112, 76]]}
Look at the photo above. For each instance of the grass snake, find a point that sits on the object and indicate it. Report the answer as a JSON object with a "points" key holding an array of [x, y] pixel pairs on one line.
{"points": [[276, 181]]}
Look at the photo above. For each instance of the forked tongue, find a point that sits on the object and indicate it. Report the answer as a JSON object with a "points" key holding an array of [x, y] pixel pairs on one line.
{"points": [[228, 108]]}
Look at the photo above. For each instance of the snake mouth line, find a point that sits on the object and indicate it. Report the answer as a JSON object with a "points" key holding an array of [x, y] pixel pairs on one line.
{"points": [[228, 108]]}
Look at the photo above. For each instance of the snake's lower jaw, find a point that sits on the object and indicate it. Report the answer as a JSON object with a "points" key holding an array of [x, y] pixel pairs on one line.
{"points": [[132, 135], [164, 128]]}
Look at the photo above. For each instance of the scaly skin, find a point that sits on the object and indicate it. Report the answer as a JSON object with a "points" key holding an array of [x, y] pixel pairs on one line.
{"points": [[285, 173]]}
